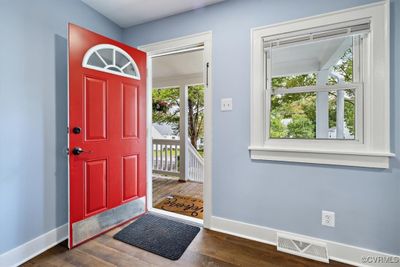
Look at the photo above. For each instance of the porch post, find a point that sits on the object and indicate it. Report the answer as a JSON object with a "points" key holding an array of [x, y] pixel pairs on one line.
{"points": [[183, 133], [340, 113], [322, 107]]}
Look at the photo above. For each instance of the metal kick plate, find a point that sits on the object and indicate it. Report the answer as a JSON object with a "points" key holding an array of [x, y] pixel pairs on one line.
{"points": [[101, 222]]}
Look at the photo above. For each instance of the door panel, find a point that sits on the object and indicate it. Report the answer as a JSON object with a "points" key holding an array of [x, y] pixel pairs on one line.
{"points": [[107, 135], [130, 111], [130, 174], [95, 110], [96, 185]]}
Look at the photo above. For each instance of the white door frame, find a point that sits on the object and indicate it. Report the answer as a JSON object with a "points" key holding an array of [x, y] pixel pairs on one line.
{"points": [[204, 39]]}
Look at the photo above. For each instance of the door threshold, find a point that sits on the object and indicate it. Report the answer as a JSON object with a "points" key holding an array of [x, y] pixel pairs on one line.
{"points": [[178, 216]]}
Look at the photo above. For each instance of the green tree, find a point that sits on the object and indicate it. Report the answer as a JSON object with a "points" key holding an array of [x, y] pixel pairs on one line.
{"points": [[196, 113], [278, 130], [300, 108], [301, 127], [166, 109]]}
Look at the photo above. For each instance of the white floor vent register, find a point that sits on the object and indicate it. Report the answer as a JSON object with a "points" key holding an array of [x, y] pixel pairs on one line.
{"points": [[303, 247]]}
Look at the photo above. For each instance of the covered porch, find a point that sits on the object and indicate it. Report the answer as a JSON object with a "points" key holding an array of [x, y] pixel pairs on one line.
{"points": [[178, 167]]}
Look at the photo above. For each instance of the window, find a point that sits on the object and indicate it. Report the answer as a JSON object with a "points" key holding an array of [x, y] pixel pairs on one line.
{"points": [[111, 59], [320, 89], [313, 84]]}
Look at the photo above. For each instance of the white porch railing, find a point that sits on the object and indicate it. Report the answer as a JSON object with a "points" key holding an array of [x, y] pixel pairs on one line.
{"points": [[166, 159], [166, 156], [196, 164]]}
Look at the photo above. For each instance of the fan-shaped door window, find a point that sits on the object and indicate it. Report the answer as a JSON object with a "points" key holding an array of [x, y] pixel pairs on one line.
{"points": [[111, 59]]}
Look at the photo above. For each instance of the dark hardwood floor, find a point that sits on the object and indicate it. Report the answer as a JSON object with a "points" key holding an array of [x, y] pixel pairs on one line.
{"points": [[209, 248]]}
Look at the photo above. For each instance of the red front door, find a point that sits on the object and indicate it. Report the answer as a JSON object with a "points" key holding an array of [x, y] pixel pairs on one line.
{"points": [[107, 134]]}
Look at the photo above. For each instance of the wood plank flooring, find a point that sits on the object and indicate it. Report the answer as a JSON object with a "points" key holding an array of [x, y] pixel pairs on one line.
{"points": [[163, 187], [209, 248]]}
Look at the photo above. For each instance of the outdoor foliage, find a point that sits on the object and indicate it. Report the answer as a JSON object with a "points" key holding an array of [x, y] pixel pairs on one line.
{"points": [[166, 109], [294, 115]]}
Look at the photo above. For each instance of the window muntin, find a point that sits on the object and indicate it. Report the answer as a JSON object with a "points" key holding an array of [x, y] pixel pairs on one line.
{"points": [[111, 59], [312, 85]]}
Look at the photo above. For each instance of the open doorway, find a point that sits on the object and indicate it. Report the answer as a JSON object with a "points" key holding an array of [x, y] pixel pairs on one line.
{"points": [[179, 116], [178, 132]]}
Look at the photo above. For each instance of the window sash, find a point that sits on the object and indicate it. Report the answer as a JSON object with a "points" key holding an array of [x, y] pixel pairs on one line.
{"points": [[359, 52], [315, 88], [317, 34]]}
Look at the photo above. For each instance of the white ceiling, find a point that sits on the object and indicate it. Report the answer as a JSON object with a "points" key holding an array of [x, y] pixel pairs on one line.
{"points": [[127, 13]]}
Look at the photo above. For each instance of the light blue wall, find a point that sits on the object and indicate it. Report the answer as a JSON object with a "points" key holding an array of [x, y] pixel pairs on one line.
{"points": [[285, 196], [33, 113]]}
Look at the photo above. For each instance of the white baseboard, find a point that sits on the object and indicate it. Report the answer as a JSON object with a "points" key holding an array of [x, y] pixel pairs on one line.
{"points": [[337, 251], [34, 247]]}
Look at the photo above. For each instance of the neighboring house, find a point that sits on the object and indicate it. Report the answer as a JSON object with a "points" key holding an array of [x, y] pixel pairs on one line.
{"points": [[346, 133], [164, 131], [200, 143], [155, 134]]}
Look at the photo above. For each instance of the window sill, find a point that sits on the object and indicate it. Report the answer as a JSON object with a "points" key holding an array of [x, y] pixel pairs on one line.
{"points": [[331, 157]]}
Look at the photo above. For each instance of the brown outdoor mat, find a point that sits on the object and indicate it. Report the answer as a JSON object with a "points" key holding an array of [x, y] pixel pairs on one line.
{"points": [[184, 205]]}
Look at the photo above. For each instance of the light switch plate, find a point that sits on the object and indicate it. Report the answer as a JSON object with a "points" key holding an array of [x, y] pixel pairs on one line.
{"points": [[226, 104]]}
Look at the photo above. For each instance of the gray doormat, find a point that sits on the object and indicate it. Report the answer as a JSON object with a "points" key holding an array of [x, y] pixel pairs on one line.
{"points": [[158, 235]]}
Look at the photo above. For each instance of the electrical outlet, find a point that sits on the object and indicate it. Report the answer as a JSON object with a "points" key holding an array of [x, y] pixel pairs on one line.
{"points": [[226, 104], [328, 218]]}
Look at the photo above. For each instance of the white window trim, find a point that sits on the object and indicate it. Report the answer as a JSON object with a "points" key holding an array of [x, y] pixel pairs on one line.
{"points": [[373, 149], [95, 48]]}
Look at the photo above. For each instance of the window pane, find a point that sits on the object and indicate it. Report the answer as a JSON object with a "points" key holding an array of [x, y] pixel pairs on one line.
{"points": [[342, 71], [94, 60], [313, 63], [107, 55], [293, 116], [120, 59], [130, 70], [114, 69], [342, 125], [294, 81]]}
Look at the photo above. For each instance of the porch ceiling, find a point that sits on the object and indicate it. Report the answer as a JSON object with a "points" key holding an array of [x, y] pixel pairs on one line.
{"points": [[172, 69], [310, 57]]}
